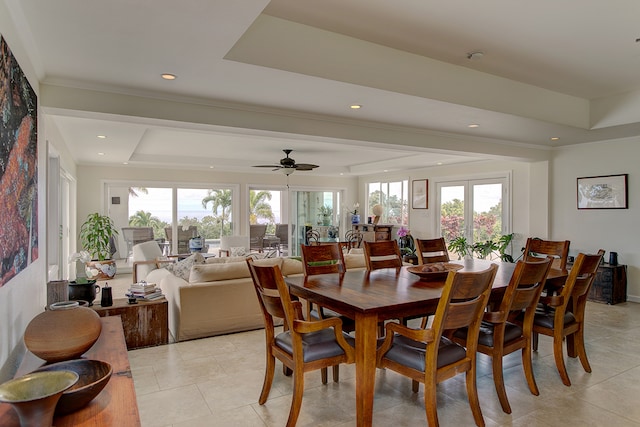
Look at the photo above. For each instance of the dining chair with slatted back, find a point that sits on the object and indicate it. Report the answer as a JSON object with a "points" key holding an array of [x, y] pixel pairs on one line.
{"points": [[427, 356], [303, 346], [431, 250], [501, 334], [325, 259], [382, 254], [562, 316], [539, 248]]}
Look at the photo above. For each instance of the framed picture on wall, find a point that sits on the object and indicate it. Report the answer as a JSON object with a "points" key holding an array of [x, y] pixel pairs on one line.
{"points": [[603, 192], [420, 194]]}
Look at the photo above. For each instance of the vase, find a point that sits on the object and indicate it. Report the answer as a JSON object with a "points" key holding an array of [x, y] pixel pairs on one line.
{"points": [[34, 396], [102, 270], [355, 219], [65, 332], [83, 291]]}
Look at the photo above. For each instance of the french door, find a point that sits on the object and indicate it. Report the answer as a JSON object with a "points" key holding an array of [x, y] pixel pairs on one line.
{"points": [[477, 210]]}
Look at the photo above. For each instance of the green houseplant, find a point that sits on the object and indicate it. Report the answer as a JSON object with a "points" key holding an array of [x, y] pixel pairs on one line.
{"points": [[95, 238]]}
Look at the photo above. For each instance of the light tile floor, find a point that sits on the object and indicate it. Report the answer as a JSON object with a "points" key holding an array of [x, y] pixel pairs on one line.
{"points": [[216, 382]]}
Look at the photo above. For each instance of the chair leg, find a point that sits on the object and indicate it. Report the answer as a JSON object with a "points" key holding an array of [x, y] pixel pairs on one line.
{"points": [[430, 403], [415, 386], [528, 369], [534, 340], [559, 357], [323, 373], [268, 379], [296, 399], [336, 373], [498, 380], [472, 394], [582, 352]]}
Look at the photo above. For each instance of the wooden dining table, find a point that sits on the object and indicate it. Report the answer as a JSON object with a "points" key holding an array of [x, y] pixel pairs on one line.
{"points": [[371, 297]]}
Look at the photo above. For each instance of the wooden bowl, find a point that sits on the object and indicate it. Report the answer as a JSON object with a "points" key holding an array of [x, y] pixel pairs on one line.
{"points": [[58, 335], [93, 377], [434, 276]]}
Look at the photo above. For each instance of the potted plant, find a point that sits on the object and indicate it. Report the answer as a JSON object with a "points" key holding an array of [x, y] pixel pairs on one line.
{"points": [[407, 245], [95, 237], [326, 212]]}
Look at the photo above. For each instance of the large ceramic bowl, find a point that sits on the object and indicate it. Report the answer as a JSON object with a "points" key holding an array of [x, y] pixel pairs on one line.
{"points": [[93, 377], [57, 335], [434, 272]]}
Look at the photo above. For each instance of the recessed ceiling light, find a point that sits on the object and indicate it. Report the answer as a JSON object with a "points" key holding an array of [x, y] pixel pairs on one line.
{"points": [[211, 167], [102, 136], [554, 138], [125, 163], [439, 163], [168, 76], [355, 106], [341, 174], [386, 170], [100, 154], [474, 125]]}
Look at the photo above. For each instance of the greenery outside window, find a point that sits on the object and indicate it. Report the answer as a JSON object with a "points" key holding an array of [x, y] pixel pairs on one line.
{"points": [[393, 196]]}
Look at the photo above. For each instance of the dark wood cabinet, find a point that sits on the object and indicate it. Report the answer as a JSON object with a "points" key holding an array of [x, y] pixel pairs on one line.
{"points": [[145, 323], [610, 284]]}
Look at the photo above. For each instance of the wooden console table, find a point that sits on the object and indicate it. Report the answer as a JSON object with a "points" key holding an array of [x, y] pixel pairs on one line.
{"points": [[145, 323], [116, 404]]}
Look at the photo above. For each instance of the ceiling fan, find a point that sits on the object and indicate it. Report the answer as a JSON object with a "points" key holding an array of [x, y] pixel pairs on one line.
{"points": [[287, 165]]}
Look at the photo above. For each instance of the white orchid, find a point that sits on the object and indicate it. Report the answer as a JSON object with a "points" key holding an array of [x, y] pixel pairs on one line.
{"points": [[82, 256]]}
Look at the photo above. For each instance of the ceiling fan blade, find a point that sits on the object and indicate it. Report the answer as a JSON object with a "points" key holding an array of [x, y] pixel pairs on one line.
{"points": [[266, 166], [305, 166]]}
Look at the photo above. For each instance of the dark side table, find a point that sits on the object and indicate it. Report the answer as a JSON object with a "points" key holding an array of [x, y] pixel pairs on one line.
{"points": [[145, 324], [610, 284]]}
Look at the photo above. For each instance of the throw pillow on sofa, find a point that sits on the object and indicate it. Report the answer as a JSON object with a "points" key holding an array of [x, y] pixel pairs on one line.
{"points": [[182, 268]]}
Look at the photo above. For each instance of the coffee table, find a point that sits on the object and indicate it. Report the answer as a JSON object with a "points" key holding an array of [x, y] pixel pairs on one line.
{"points": [[145, 323]]}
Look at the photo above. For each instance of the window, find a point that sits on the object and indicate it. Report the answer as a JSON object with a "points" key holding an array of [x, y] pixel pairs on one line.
{"points": [[474, 209], [265, 208], [393, 197], [168, 210]]}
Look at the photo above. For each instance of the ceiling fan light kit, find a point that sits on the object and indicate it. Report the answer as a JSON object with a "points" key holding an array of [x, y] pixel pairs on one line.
{"points": [[288, 166]]}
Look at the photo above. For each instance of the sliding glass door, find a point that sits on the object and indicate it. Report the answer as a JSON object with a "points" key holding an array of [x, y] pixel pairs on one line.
{"points": [[315, 210]]}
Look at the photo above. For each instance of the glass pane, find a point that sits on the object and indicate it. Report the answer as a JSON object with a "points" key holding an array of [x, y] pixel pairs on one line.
{"points": [[487, 211], [264, 208], [452, 212], [210, 210], [150, 207]]}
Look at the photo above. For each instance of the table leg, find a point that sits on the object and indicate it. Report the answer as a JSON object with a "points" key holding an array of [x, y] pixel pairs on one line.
{"points": [[365, 367]]}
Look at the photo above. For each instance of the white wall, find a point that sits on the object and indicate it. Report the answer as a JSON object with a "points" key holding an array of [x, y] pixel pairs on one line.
{"points": [[609, 229], [24, 296]]}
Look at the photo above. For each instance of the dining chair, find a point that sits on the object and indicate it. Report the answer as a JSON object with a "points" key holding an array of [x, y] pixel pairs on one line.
{"points": [[562, 316], [428, 357], [312, 237], [539, 248], [325, 259], [304, 345], [431, 250], [500, 334], [382, 254], [352, 239]]}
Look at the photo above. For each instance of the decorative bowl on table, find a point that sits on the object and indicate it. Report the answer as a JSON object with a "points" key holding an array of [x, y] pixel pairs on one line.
{"points": [[433, 272], [93, 377], [34, 396]]}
